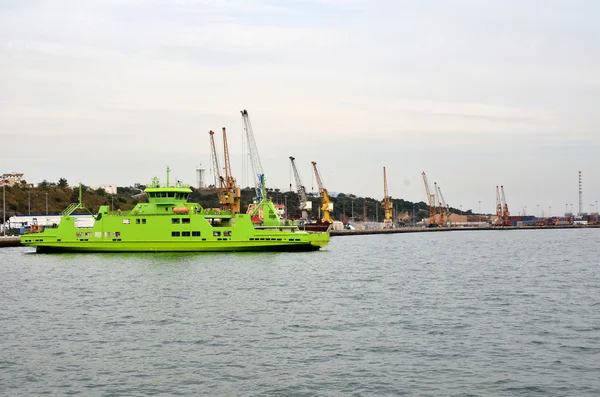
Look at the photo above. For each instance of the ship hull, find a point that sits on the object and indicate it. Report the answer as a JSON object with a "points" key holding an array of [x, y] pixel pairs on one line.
{"points": [[169, 247], [316, 227]]}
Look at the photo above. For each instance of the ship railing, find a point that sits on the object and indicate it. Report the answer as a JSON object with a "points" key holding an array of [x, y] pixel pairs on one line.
{"points": [[70, 209]]}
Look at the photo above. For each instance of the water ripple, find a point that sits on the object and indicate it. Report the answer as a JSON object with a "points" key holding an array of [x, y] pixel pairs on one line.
{"points": [[430, 314]]}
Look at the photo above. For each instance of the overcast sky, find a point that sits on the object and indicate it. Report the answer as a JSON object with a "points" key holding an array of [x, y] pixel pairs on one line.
{"points": [[475, 93]]}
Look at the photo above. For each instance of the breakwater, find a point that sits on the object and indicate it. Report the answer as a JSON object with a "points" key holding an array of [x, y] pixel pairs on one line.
{"points": [[453, 229]]}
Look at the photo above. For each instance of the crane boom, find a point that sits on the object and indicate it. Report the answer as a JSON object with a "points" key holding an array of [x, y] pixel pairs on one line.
{"points": [[228, 176], [505, 212], [219, 182], [430, 199], [499, 215], [444, 210], [305, 204], [231, 194], [387, 204], [326, 204], [259, 183]]}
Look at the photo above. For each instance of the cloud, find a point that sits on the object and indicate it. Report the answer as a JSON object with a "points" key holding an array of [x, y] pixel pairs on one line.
{"points": [[419, 85]]}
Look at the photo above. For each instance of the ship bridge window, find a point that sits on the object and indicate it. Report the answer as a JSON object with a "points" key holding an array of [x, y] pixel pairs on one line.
{"points": [[216, 234], [185, 234], [227, 233], [126, 221], [195, 234], [175, 234], [143, 221], [175, 220], [185, 220], [171, 194]]}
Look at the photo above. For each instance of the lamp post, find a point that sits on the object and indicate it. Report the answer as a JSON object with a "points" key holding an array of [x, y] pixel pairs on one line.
{"points": [[537, 211], [566, 210], [414, 224], [461, 209], [352, 210], [479, 211], [376, 211]]}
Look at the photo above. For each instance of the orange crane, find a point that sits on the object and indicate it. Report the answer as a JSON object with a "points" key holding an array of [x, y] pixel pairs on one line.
{"points": [[326, 204], [233, 192], [432, 202], [219, 180], [228, 193], [499, 214], [387, 204], [444, 208], [505, 212]]}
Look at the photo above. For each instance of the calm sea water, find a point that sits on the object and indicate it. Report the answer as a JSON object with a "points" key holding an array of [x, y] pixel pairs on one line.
{"points": [[463, 313]]}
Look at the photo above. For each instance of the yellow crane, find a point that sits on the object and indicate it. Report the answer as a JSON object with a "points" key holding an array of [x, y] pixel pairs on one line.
{"points": [[387, 204], [233, 192], [432, 201], [326, 204], [505, 212], [443, 208], [499, 215], [228, 193]]}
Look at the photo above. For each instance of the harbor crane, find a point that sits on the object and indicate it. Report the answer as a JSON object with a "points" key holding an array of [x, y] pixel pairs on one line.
{"points": [[259, 175], [499, 215], [444, 208], [219, 180], [228, 193], [263, 207], [505, 212], [305, 204], [387, 204], [233, 192], [502, 213], [326, 204], [432, 201]]}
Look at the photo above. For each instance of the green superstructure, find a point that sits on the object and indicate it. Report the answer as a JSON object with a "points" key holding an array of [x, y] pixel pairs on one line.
{"points": [[166, 223]]}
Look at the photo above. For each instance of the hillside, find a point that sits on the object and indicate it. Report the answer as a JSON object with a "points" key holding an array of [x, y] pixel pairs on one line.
{"points": [[22, 200]]}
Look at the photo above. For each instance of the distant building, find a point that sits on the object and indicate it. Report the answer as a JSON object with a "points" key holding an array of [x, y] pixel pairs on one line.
{"points": [[22, 222], [200, 177], [110, 189], [12, 179], [280, 209]]}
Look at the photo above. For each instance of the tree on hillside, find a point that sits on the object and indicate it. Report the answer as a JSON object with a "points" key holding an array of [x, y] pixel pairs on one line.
{"points": [[62, 182]]}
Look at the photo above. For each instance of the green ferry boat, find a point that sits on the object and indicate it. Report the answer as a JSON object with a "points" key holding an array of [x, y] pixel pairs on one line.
{"points": [[169, 223]]}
